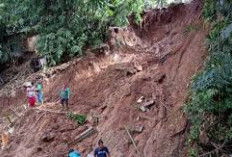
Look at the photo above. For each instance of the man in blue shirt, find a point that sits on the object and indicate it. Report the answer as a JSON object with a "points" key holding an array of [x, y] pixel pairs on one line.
{"points": [[101, 151]]}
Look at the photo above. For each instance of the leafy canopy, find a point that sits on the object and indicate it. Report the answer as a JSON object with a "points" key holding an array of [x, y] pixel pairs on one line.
{"points": [[66, 27]]}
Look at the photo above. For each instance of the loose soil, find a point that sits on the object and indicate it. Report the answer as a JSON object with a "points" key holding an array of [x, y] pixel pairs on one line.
{"points": [[107, 87]]}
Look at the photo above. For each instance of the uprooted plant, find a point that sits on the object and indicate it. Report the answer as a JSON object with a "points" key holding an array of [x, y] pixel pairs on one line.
{"points": [[78, 118]]}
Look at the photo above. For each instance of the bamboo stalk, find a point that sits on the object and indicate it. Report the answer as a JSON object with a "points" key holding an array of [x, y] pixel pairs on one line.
{"points": [[133, 142]]}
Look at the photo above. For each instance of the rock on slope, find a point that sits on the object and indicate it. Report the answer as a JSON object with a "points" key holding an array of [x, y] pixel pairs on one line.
{"points": [[109, 86]]}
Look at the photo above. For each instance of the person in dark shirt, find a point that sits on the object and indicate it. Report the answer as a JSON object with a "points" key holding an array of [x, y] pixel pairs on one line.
{"points": [[101, 151]]}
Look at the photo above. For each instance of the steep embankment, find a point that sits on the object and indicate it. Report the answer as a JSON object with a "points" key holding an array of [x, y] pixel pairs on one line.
{"points": [[157, 65]]}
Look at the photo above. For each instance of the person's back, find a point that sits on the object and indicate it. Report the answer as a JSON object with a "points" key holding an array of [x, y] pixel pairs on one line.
{"points": [[39, 90], [39, 87], [73, 153]]}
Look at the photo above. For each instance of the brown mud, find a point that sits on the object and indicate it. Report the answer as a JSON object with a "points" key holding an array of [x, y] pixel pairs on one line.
{"points": [[155, 60]]}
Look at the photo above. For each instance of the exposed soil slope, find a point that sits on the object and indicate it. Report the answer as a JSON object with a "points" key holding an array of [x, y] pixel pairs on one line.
{"points": [[108, 86]]}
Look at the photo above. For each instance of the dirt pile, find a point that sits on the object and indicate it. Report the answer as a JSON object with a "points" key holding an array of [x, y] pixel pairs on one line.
{"points": [[156, 61]]}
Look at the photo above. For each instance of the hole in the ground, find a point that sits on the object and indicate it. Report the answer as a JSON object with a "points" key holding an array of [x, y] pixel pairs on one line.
{"points": [[39, 149], [161, 80], [116, 30]]}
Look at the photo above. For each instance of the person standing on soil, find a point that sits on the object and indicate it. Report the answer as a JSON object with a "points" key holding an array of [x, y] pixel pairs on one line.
{"points": [[101, 151], [31, 94], [74, 153], [39, 89], [65, 95]]}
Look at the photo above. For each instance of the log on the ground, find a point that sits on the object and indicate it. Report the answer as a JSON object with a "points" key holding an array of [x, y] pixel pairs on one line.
{"points": [[51, 111], [90, 131], [149, 104], [133, 142], [144, 105]]}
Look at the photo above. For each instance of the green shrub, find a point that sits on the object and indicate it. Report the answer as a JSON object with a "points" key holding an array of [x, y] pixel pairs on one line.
{"points": [[78, 118]]}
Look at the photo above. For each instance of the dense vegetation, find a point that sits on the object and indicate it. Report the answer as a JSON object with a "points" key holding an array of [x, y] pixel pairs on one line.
{"points": [[4, 53], [210, 105], [65, 27]]}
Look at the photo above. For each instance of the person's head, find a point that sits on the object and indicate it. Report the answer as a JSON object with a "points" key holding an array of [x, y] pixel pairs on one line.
{"points": [[32, 83], [100, 143], [65, 86], [40, 82], [71, 150], [29, 85]]}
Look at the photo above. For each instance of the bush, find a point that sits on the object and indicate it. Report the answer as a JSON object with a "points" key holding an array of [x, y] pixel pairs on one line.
{"points": [[78, 118]]}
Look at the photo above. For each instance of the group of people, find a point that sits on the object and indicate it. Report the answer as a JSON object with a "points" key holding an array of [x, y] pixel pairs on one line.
{"points": [[101, 151], [35, 94]]}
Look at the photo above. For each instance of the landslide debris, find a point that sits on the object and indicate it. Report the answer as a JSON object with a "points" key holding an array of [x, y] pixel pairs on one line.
{"points": [[154, 62]]}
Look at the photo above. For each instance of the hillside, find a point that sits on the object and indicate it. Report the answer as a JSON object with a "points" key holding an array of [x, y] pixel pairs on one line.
{"points": [[155, 60]]}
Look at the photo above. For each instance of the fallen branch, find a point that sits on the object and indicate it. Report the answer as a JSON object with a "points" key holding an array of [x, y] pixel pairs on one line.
{"points": [[182, 131], [20, 121], [173, 112], [36, 122], [165, 106], [51, 104], [9, 120], [17, 115], [217, 148], [51, 111], [90, 131], [132, 140], [66, 130]]}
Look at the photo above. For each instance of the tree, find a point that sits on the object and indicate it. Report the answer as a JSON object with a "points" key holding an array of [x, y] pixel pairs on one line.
{"points": [[4, 53], [65, 27]]}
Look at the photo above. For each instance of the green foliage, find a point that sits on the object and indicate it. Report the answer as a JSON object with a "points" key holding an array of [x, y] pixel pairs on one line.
{"points": [[161, 3], [66, 27], [149, 4], [4, 54], [210, 105], [79, 119], [192, 153]]}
